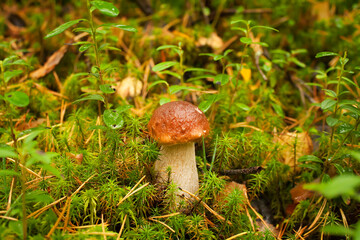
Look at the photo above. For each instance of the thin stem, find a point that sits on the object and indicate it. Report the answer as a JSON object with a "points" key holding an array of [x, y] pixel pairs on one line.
{"points": [[96, 50]]}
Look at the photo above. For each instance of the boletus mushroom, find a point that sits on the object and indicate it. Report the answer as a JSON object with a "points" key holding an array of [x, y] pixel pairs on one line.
{"points": [[176, 126]]}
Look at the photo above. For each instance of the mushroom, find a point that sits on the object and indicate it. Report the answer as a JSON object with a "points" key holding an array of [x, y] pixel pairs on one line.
{"points": [[176, 126]]}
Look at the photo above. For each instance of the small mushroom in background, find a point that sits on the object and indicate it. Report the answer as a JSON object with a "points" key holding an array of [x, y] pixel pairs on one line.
{"points": [[176, 126]]}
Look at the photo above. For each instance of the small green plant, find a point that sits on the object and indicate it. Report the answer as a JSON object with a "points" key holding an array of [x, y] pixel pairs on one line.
{"points": [[111, 117]]}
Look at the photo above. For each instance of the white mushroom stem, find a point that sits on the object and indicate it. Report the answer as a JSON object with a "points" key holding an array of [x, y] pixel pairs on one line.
{"points": [[181, 159]]}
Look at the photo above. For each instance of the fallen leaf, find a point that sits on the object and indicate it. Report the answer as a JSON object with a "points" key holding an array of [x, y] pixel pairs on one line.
{"points": [[298, 193], [304, 146], [50, 64], [229, 187]]}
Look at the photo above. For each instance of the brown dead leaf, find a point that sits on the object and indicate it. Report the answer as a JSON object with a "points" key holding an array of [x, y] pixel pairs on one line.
{"points": [[298, 193], [322, 10], [31, 124], [50, 64], [77, 157], [304, 146], [229, 187]]}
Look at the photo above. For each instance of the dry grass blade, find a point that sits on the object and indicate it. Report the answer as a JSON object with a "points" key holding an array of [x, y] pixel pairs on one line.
{"points": [[237, 235], [98, 233], [103, 225], [26, 169], [59, 218], [164, 224], [9, 218], [218, 216], [318, 215], [260, 217], [131, 190], [166, 216], [122, 228], [10, 194], [41, 210]]}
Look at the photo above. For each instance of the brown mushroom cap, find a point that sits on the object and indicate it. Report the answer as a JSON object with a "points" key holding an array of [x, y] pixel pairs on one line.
{"points": [[178, 122]]}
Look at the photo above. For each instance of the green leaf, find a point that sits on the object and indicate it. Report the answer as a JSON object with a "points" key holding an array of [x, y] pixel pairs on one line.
{"points": [[314, 167], [120, 26], [243, 106], [90, 97], [325, 54], [51, 169], [85, 47], [240, 29], [199, 70], [106, 88], [205, 105], [331, 121], [246, 40], [176, 88], [97, 127], [174, 74], [164, 65], [113, 118], [297, 62], [18, 99], [63, 27], [7, 152], [327, 104], [167, 47], [330, 93], [310, 158], [158, 82], [106, 8], [238, 20], [344, 128], [344, 184], [164, 100], [8, 173], [265, 27], [8, 75], [200, 77], [278, 109], [222, 78], [351, 109], [337, 230]]}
